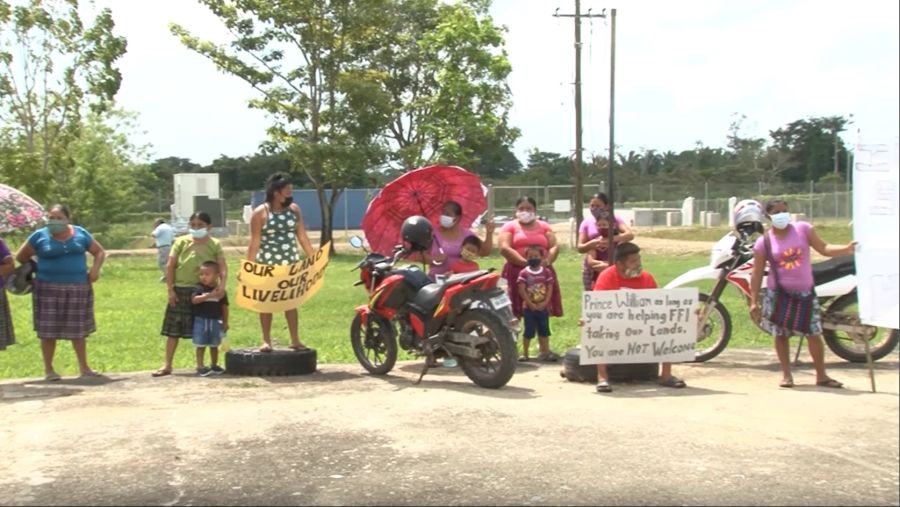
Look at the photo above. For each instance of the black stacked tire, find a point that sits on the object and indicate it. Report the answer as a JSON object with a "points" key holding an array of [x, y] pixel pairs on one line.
{"points": [[574, 371], [279, 362]]}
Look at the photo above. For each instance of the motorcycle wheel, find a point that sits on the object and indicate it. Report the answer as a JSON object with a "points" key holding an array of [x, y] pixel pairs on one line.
{"points": [[882, 343], [377, 353], [713, 337], [498, 356]]}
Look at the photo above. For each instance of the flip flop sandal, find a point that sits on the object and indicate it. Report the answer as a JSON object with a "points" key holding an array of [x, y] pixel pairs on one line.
{"points": [[603, 387], [52, 377], [91, 374], [834, 384], [786, 383], [674, 382], [524, 359], [265, 348], [549, 357], [162, 372], [298, 348]]}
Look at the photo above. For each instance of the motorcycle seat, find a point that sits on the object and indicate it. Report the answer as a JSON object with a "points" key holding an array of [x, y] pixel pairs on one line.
{"points": [[832, 269], [463, 277], [414, 277], [430, 295]]}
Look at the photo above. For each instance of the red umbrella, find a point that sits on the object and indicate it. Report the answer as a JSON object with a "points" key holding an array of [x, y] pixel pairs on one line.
{"points": [[421, 192]]}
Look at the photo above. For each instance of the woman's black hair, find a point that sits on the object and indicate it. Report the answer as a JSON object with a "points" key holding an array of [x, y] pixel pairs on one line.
{"points": [[600, 196], [524, 198], [774, 202], [202, 216], [63, 209], [275, 183], [455, 207]]}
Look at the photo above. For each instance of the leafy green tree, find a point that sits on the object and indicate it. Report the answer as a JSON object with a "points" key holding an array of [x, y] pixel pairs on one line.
{"points": [[345, 81], [494, 162], [106, 169], [544, 168], [52, 69], [304, 59], [443, 67], [813, 145]]}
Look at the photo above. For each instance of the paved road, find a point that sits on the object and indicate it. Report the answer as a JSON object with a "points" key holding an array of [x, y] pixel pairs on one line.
{"points": [[340, 437]]}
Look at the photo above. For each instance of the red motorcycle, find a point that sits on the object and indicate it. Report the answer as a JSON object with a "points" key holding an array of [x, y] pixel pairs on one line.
{"points": [[465, 316]]}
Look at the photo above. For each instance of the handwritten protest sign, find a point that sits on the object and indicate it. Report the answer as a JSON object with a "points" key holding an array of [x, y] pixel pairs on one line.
{"points": [[266, 288], [638, 326]]}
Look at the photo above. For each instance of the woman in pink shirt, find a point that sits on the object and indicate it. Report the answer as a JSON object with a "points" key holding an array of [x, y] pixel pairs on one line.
{"points": [[514, 238], [593, 238], [449, 234], [787, 251]]}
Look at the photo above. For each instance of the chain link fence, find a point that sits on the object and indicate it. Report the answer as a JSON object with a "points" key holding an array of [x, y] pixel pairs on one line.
{"points": [[819, 201]]}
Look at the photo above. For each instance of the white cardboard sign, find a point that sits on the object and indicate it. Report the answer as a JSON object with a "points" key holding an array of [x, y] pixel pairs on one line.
{"points": [[639, 326]]}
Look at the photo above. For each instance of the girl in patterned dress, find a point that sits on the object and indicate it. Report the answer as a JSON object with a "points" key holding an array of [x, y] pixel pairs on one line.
{"points": [[275, 230]]}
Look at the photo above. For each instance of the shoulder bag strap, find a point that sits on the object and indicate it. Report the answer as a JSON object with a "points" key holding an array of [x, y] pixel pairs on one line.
{"points": [[771, 259]]}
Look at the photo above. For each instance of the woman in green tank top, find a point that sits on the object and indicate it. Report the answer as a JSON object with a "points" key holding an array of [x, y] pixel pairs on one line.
{"points": [[276, 228]]}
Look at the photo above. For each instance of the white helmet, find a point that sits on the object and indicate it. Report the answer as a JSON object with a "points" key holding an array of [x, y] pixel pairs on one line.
{"points": [[748, 216]]}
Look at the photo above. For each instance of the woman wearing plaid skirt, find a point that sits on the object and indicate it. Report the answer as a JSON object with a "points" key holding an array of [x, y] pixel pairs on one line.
{"points": [[63, 295], [786, 247], [188, 253]]}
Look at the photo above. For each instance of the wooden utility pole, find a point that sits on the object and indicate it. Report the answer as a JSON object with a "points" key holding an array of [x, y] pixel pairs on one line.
{"points": [[612, 130], [578, 198]]}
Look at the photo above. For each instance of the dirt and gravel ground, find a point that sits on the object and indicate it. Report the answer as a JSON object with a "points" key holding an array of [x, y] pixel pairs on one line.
{"points": [[338, 437]]}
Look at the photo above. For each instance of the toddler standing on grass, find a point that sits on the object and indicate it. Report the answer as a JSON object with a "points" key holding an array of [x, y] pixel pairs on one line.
{"points": [[535, 286], [210, 319]]}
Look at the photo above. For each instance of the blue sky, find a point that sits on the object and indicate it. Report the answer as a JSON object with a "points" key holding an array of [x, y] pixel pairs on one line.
{"points": [[682, 70]]}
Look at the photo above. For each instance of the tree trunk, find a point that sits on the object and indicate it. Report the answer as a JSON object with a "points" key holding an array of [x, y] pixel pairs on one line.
{"points": [[326, 205]]}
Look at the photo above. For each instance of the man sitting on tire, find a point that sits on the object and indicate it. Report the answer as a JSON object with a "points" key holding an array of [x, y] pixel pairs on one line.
{"points": [[627, 273]]}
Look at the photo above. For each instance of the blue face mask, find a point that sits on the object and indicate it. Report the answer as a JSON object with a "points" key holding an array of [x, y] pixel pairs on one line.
{"points": [[781, 220], [534, 262], [56, 226], [199, 233]]}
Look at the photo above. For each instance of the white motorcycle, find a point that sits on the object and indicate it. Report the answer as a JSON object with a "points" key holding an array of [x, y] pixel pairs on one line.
{"points": [[731, 262]]}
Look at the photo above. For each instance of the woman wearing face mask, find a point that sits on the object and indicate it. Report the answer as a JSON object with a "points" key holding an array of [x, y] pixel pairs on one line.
{"points": [[786, 247], [446, 249], [188, 253], [514, 239], [590, 237], [63, 294], [275, 230]]}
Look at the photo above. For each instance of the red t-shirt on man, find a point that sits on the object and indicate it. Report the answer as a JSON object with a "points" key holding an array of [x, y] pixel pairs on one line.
{"points": [[610, 279]]}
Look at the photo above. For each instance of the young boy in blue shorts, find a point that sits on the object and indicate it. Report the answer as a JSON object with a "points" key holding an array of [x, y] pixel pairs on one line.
{"points": [[210, 311]]}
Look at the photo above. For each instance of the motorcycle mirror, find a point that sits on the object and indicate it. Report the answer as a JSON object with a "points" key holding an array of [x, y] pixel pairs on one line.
{"points": [[356, 242]]}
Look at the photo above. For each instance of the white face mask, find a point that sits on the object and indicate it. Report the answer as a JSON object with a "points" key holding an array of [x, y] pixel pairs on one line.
{"points": [[447, 221], [525, 217], [781, 220], [634, 272]]}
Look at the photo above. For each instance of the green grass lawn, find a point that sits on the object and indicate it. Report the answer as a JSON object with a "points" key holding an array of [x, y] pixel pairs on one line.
{"points": [[130, 302]]}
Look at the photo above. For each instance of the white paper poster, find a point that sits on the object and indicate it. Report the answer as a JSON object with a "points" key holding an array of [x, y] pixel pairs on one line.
{"points": [[638, 326], [876, 197]]}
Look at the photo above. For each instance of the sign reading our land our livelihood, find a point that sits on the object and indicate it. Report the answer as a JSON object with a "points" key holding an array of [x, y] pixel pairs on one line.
{"points": [[266, 288], [638, 326]]}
